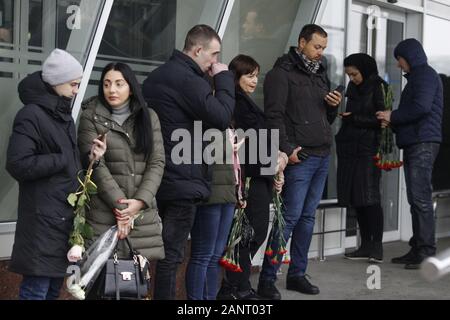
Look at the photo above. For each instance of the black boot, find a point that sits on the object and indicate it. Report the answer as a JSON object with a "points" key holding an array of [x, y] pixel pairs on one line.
{"points": [[227, 292], [410, 257], [376, 253], [362, 253]]}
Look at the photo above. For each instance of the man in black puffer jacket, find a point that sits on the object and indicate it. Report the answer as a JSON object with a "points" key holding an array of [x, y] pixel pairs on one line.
{"points": [[180, 94], [43, 157], [418, 127]]}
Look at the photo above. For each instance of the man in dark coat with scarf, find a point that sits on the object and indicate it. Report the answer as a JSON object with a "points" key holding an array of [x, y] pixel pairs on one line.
{"points": [[43, 157], [299, 103], [418, 127]]}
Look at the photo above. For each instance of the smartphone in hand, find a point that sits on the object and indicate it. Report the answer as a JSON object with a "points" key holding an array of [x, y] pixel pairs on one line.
{"points": [[340, 88], [102, 135], [302, 155]]}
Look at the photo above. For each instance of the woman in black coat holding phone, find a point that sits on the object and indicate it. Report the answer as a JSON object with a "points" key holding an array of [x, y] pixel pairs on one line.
{"points": [[358, 179]]}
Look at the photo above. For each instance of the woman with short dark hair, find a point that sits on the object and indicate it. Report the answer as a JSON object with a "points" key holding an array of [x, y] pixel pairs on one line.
{"points": [[248, 115]]}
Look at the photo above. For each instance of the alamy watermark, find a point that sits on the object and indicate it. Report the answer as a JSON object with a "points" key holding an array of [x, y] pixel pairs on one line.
{"points": [[211, 147], [374, 280], [375, 14]]}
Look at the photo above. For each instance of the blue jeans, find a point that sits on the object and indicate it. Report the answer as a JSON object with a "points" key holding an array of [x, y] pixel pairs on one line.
{"points": [[208, 240], [303, 189], [40, 288], [419, 160]]}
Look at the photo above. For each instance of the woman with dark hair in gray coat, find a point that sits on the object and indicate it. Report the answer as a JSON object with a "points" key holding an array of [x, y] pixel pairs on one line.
{"points": [[130, 174]]}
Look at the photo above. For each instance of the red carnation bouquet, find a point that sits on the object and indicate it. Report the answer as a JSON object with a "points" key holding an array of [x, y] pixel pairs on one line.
{"points": [[386, 158], [276, 245], [239, 230]]}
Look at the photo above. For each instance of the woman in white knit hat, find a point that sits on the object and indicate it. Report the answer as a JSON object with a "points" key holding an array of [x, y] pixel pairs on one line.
{"points": [[43, 157]]}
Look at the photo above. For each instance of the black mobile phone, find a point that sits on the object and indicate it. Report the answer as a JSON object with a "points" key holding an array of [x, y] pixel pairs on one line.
{"points": [[340, 88], [302, 155], [100, 136]]}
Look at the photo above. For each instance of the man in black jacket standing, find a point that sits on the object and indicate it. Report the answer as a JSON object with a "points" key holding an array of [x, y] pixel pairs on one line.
{"points": [[43, 157], [183, 98], [298, 103]]}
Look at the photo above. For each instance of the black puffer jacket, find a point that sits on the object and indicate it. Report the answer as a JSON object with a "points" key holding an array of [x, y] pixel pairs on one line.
{"points": [[357, 142], [294, 103], [180, 95], [43, 157]]}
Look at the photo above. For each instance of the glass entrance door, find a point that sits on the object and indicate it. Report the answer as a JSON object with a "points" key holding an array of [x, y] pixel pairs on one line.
{"points": [[376, 31]]}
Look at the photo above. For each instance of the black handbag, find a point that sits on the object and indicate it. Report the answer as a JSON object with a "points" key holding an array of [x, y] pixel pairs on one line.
{"points": [[126, 278]]}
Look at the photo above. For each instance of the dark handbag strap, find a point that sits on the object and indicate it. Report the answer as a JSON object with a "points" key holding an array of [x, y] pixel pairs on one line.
{"points": [[117, 281], [136, 267], [133, 254]]}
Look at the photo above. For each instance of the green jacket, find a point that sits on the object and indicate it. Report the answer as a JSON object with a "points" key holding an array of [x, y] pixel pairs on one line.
{"points": [[223, 185], [123, 174]]}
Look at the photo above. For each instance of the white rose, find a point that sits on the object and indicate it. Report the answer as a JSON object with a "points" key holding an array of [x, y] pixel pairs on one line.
{"points": [[75, 253]]}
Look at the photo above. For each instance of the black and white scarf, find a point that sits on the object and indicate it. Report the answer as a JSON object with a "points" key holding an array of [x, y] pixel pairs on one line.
{"points": [[312, 66]]}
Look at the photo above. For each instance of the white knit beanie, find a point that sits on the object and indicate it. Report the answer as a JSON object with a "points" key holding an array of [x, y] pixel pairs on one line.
{"points": [[61, 67]]}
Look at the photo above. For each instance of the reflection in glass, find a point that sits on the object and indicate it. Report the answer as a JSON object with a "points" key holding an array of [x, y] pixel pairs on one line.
{"points": [[24, 55], [144, 33], [35, 23], [393, 75], [67, 20], [253, 29], [438, 56], [436, 47], [144, 30], [6, 21], [333, 21]]}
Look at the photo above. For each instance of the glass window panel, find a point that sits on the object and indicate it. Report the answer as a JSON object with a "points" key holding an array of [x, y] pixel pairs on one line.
{"points": [[436, 47], [18, 60], [264, 29], [393, 75], [438, 51], [35, 23], [144, 33], [6, 21], [68, 20], [333, 21]]}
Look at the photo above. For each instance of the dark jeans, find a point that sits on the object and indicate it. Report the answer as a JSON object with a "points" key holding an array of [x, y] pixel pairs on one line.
{"points": [[177, 220], [303, 189], [258, 214], [419, 160], [208, 240], [40, 288]]}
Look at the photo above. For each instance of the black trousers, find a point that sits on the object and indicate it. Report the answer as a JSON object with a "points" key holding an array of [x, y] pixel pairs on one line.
{"points": [[258, 214], [371, 223], [177, 219]]}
